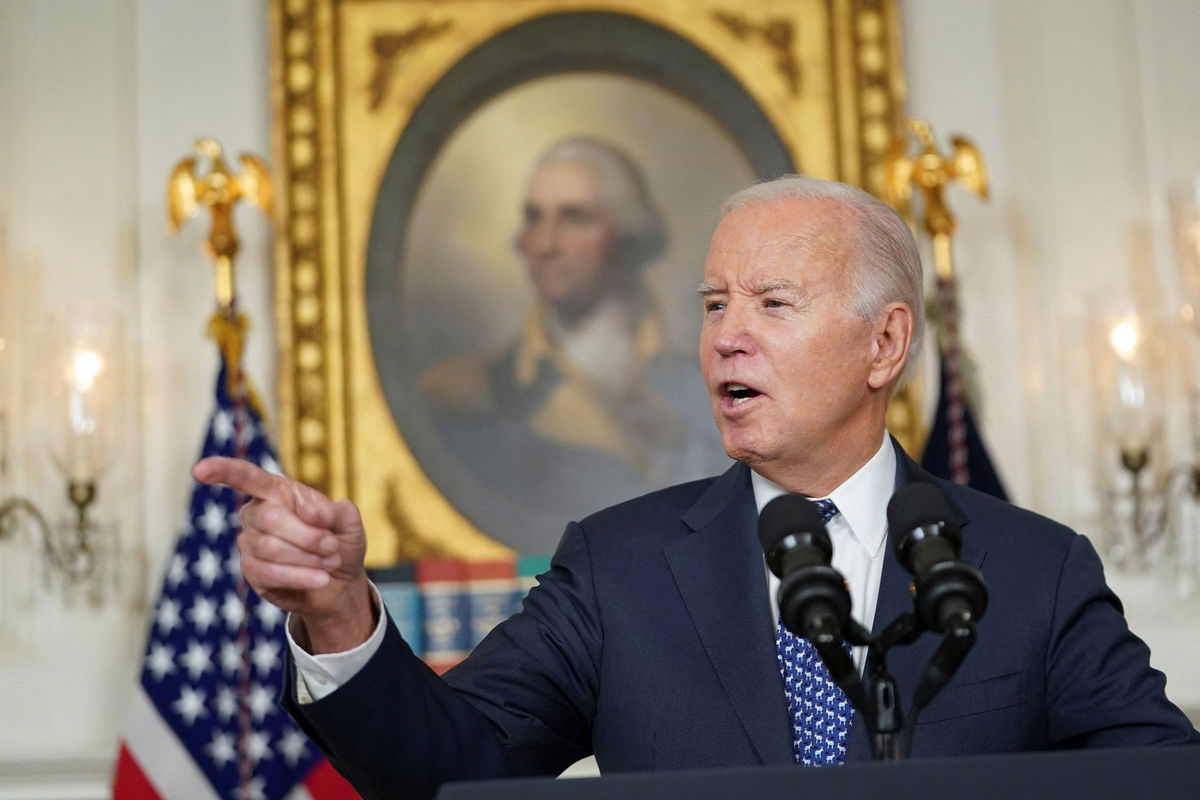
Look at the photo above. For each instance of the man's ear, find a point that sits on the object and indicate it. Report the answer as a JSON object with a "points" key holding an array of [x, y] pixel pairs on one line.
{"points": [[891, 335]]}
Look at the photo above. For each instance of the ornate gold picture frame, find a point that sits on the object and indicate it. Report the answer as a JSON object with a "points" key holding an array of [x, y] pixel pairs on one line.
{"points": [[371, 98]]}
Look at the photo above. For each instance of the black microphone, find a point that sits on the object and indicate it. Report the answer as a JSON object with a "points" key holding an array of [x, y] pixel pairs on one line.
{"points": [[812, 595], [948, 591]]}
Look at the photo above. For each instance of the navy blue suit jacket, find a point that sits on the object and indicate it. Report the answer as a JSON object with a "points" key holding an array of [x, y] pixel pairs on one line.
{"points": [[650, 644]]}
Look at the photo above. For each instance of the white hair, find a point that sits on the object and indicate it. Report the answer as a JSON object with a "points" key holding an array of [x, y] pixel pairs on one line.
{"points": [[888, 269], [640, 234]]}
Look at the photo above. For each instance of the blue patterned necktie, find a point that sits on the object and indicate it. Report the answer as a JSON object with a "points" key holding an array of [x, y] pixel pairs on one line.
{"points": [[818, 707]]}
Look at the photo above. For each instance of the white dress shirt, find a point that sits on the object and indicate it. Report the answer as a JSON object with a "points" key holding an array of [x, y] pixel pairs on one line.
{"points": [[858, 532]]}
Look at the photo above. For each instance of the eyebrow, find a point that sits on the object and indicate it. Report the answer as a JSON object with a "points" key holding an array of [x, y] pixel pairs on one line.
{"points": [[771, 286], [762, 288]]}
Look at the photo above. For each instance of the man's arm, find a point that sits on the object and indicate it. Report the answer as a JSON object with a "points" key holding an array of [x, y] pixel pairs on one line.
{"points": [[521, 704], [1101, 689]]}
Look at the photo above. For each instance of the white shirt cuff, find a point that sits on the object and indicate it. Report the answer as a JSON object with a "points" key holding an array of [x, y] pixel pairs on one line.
{"points": [[319, 676]]}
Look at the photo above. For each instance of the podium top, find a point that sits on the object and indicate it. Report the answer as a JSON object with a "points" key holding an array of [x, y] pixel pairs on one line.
{"points": [[1164, 773]]}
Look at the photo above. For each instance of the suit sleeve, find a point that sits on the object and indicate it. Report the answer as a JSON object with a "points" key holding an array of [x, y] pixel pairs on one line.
{"points": [[1101, 689], [521, 704]]}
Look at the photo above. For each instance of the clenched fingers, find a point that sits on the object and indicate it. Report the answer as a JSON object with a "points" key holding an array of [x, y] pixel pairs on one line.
{"points": [[280, 522], [267, 576]]}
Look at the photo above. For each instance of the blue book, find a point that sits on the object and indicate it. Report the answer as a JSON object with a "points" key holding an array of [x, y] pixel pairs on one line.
{"points": [[442, 586], [490, 589], [398, 587]]}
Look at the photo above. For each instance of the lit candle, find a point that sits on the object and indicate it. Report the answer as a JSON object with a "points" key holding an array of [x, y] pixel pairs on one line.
{"points": [[83, 444], [1124, 340]]}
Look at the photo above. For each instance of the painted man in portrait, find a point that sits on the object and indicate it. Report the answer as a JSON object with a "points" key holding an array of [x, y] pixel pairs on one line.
{"points": [[590, 402]]}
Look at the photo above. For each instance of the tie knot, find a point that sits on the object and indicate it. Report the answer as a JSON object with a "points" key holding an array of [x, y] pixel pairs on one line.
{"points": [[827, 508]]}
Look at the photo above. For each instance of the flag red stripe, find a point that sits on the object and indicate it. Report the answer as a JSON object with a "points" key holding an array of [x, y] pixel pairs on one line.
{"points": [[130, 783], [326, 783]]}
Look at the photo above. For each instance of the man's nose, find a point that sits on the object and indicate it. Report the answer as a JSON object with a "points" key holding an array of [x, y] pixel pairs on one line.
{"points": [[734, 333], [541, 238]]}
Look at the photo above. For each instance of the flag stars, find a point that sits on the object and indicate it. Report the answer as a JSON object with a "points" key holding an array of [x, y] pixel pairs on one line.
{"points": [[227, 704], [177, 571], [233, 564], [265, 655], [222, 426], [262, 701], [231, 657], [292, 747], [212, 521], [190, 705], [197, 660], [232, 611], [221, 749], [203, 613], [269, 615], [207, 567], [247, 433], [167, 617], [161, 660], [270, 465], [258, 746]]}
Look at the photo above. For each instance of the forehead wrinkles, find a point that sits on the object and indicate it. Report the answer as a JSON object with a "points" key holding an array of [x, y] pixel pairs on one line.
{"points": [[808, 254], [816, 238]]}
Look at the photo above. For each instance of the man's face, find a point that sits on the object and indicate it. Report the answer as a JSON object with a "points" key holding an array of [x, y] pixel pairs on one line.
{"points": [[785, 356], [567, 237]]}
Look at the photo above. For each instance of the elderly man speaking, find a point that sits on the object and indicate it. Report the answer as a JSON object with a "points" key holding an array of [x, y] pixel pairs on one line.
{"points": [[652, 642]]}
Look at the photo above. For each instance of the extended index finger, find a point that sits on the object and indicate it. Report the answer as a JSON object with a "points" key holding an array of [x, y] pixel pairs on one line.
{"points": [[242, 476]]}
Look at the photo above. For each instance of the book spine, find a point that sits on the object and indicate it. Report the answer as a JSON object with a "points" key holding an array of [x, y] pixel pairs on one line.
{"points": [[398, 588], [446, 624], [490, 588]]}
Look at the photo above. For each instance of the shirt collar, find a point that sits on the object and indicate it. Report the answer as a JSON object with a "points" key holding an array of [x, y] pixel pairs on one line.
{"points": [[861, 499]]}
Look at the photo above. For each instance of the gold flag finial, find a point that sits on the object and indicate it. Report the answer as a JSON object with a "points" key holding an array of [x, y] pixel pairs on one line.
{"points": [[931, 172], [219, 191]]}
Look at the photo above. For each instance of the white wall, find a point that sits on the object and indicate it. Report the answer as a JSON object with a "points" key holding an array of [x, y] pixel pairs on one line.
{"points": [[98, 100], [1085, 115]]}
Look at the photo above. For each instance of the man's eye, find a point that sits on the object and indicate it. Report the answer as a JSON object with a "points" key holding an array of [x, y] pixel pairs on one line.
{"points": [[578, 216], [773, 303], [713, 305]]}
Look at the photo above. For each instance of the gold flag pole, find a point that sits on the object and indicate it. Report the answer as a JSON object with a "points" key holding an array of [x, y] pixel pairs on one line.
{"points": [[931, 172], [219, 191]]}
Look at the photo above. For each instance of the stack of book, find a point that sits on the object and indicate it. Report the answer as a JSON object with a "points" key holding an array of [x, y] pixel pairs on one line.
{"points": [[444, 607]]}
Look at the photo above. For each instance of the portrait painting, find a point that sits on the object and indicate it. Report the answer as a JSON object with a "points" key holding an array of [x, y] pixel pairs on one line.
{"points": [[497, 223], [542, 355]]}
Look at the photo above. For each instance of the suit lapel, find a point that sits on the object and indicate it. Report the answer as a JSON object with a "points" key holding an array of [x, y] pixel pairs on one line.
{"points": [[905, 662], [719, 572]]}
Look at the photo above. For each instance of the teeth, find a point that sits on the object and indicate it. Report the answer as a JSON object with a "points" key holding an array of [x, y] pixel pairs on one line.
{"points": [[735, 387], [737, 401]]}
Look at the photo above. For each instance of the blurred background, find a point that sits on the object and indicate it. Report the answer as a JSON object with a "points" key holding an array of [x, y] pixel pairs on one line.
{"points": [[1076, 287]]}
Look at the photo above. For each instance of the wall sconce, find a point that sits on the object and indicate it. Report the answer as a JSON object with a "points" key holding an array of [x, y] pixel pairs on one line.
{"points": [[1128, 372], [75, 385]]}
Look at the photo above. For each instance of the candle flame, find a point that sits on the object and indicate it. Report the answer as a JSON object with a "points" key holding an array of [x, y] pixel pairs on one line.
{"points": [[1124, 339], [85, 367]]}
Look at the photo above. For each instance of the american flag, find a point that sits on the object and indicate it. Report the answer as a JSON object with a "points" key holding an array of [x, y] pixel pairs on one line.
{"points": [[205, 722]]}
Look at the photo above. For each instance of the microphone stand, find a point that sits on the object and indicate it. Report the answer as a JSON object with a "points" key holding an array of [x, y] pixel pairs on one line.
{"points": [[876, 696]]}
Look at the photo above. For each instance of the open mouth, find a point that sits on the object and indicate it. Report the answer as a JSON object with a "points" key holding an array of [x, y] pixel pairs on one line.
{"points": [[739, 393]]}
